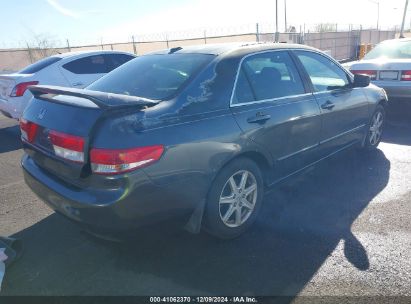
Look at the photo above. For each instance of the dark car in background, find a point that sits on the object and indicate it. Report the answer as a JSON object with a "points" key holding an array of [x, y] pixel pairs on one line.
{"points": [[193, 134]]}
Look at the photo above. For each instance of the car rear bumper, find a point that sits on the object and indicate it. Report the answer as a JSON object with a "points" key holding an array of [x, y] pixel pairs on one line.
{"points": [[12, 108], [140, 203], [395, 89], [5, 108]]}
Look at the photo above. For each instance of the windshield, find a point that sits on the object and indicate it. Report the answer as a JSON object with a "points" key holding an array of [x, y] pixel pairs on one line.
{"points": [[396, 49], [152, 76], [39, 65]]}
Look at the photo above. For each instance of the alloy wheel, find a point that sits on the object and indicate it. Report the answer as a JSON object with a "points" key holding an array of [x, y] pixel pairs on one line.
{"points": [[238, 198], [376, 128]]}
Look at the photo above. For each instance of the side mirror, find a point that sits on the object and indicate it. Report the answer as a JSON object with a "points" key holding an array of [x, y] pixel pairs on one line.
{"points": [[361, 81]]}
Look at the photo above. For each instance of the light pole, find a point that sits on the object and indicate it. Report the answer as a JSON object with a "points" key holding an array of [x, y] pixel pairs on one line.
{"points": [[277, 34], [285, 15], [378, 11], [378, 15], [403, 19]]}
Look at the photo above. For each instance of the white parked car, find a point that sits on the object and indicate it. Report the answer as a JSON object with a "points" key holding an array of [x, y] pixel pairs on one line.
{"points": [[73, 69]]}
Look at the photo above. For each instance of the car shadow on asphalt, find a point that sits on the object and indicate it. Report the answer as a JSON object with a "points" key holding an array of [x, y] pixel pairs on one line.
{"points": [[301, 223], [10, 139]]}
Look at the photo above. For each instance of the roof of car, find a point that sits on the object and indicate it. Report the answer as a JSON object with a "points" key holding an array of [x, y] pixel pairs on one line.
{"points": [[221, 48], [77, 53]]}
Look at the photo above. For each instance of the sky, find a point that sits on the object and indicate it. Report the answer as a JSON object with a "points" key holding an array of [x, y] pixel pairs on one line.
{"points": [[85, 22]]}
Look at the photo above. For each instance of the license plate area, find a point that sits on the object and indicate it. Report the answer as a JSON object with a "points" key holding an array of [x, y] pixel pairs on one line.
{"points": [[389, 75]]}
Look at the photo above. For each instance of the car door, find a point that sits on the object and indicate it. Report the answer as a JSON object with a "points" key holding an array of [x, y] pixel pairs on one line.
{"points": [[275, 109], [83, 71], [344, 109]]}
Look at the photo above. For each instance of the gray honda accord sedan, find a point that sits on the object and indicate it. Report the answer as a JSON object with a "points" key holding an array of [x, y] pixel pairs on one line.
{"points": [[193, 135]]}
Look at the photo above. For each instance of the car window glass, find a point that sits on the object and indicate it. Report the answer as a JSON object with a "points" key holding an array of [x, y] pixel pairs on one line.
{"points": [[267, 75], [115, 60], [153, 76], [325, 75], [395, 49], [243, 92], [39, 65], [88, 65]]}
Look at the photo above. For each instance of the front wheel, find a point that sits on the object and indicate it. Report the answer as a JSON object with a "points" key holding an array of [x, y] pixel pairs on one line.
{"points": [[234, 199], [375, 129]]}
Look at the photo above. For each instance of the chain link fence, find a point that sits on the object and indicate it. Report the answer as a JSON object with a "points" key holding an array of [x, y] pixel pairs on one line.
{"points": [[341, 42]]}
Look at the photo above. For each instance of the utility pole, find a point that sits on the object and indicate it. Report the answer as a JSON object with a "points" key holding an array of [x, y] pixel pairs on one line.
{"points": [[378, 15], [277, 34], [285, 15], [378, 11], [29, 50], [134, 45], [68, 45], [403, 19]]}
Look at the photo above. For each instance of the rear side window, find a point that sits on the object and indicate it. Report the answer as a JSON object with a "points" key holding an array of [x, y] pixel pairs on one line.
{"points": [[115, 60], [39, 65], [325, 75], [153, 76], [243, 91], [267, 75], [88, 65]]}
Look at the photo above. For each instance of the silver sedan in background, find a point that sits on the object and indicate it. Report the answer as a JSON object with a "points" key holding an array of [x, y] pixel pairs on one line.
{"points": [[389, 67]]}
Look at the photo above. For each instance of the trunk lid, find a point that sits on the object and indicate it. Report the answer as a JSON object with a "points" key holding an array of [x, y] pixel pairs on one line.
{"points": [[9, 81], [73, 112], [386, 69]]}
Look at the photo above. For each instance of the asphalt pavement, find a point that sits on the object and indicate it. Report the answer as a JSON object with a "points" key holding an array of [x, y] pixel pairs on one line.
{"points": [[341, 228]]}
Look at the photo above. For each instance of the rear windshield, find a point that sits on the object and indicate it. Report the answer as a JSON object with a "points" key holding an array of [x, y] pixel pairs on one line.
{"points": [[39, 65], [157, 77], [396, 49]]}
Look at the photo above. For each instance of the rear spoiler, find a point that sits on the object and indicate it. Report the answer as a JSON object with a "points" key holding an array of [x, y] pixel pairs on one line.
{"points": [[101, 99]]}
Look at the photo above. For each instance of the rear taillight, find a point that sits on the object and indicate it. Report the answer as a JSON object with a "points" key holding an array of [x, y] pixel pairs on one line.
{"points": [[19, 89], [67, 146], [406, 75], [371, 73], [105, 161], [28, 130]]}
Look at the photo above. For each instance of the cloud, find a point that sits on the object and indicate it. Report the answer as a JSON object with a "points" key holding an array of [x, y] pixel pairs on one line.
{"points": [[224, 17], [192, 19], [65, 11]]}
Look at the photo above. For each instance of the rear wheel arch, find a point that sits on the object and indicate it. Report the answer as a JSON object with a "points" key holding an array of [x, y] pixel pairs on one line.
{"points": [[210, 220], [196, 219], [261, 160], [379, 107], [258, 157], [384, 103]]}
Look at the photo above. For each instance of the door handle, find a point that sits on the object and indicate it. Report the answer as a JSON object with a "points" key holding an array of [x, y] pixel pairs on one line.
{"points": [[76, 84], [328, 105], [259, 118]]}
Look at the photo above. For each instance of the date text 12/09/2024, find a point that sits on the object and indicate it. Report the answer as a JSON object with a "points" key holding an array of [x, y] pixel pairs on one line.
{"points": [[241, 299]]}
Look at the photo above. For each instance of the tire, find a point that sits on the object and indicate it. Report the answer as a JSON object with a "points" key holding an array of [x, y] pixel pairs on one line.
{"points": [[375, 129], [223, 200]]}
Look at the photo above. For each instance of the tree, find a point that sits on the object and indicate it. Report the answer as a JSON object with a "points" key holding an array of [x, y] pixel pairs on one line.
{"points": [[41, 46], [325, 27]]}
